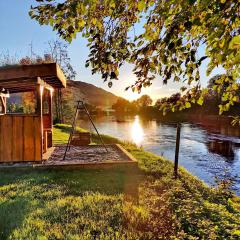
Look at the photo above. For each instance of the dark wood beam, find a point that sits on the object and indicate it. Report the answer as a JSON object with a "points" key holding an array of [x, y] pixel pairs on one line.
{"points": [[51, 71]]}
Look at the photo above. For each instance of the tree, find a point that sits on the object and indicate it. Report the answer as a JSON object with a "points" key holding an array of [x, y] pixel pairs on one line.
{"points": [[173, 32], [159, 102], [220, 95], [144, 101], [121, 105], [167, 103], [56, 52]]}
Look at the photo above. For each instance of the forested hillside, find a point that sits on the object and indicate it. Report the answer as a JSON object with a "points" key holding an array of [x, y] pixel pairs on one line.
{"points": [[77, 90]]}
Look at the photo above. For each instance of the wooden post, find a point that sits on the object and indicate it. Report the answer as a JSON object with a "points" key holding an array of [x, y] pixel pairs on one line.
{"points": [[4, 97], [50, 105], [39, 92], [177, 150], [50, 115], [4, 104]]}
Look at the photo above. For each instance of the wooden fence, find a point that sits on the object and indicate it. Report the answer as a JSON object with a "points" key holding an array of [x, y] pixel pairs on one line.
{"points": [[20, 138]]}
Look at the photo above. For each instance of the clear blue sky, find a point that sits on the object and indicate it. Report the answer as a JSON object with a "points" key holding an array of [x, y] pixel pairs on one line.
{"points": [[18, 31]]}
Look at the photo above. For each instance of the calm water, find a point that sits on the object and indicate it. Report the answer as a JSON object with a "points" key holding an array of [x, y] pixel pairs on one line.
{"points": [[204, 151]]}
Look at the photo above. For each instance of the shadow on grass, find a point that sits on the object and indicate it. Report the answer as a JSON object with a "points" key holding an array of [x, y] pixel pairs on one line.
{"points": [[12, 213], [114, 180], [20, 189], [54, 203]]}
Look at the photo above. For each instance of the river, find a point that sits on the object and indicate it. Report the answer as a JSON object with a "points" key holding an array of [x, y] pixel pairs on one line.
{"points": [[205, 151]]}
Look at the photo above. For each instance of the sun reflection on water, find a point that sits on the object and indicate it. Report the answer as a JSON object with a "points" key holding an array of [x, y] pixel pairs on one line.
{"points": [[137, 133]]}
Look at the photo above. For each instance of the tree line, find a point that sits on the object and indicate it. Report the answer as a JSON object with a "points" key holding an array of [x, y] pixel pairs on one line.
{"points": [[163, 106]]}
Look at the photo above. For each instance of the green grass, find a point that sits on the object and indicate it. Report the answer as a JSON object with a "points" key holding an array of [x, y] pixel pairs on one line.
{"points": [[116, 203], [61, 134]]}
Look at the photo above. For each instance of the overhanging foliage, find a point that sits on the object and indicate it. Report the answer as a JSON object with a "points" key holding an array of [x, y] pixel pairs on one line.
{"points": [[173, 32]]}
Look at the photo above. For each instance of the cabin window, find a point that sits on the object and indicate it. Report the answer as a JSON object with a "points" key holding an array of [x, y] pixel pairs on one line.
{"points": [[45, 107], [46, 102], [22, 103]]}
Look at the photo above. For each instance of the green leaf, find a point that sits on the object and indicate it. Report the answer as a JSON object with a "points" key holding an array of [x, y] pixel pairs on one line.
{"points": [[94, 21], [112, 5], [141, 5], [116, 72], [221, 43], [81, 23], [237, 233], [200, 101], [187, 104], [235, 42], [183, 89], [176, 79], [235, 99]]}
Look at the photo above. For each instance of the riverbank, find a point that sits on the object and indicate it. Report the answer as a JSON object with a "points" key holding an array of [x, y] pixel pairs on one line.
{"points": [[205, 151], [116, 203]]}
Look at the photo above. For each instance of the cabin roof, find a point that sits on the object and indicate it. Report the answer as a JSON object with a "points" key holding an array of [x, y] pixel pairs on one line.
{"points": [[22, 78]]}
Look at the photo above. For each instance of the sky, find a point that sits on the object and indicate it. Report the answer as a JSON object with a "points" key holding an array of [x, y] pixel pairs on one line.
{"points": [[19, 32]]}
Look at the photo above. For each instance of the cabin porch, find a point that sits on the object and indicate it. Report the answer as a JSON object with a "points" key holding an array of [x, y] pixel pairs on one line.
{"points": [[27, 137]]}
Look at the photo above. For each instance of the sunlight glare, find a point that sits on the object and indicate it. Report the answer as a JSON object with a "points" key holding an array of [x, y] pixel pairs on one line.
{"points": [[137, 131]]}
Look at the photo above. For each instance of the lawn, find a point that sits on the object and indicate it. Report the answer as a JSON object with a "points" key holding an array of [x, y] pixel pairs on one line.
{"points": [[116, 203]]}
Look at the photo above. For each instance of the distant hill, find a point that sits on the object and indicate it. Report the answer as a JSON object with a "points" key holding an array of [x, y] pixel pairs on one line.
{"points": [[77, 90]]}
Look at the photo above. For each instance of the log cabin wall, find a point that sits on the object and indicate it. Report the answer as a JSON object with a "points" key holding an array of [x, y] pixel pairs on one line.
{"points": [[20, 138]]}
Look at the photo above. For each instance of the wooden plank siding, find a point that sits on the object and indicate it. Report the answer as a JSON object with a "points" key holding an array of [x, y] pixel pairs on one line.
{"points": [[29, 136], [38, 136], [20, 138]]}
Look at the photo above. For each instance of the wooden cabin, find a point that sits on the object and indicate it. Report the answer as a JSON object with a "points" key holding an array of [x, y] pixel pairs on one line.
{"points": [[27, 137]]}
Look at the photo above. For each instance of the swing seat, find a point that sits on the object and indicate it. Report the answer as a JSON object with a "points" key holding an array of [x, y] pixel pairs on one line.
{"points": [[81, 139]]}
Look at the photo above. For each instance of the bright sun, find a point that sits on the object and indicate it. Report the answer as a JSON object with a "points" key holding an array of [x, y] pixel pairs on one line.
{"points": [[137, 131]]}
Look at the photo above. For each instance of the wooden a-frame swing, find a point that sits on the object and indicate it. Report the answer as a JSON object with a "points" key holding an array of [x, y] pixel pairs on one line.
{"points": [[81, 107]]}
